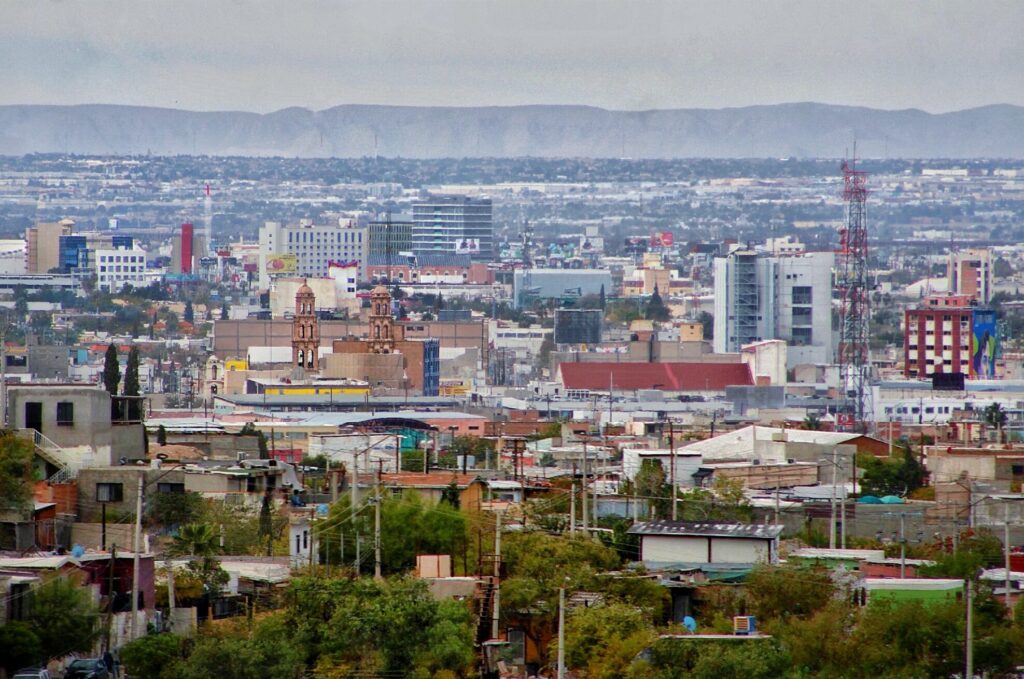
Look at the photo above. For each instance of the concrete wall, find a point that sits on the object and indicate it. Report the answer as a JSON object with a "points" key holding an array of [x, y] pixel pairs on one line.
{"points": [[90, 535]]}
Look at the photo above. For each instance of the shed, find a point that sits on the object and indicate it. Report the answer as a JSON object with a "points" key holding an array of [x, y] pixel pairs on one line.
{"points": [[684, 542]]}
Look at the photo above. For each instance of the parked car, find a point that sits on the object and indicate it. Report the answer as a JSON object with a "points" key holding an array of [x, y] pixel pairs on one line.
{"points": [[32, 673], [87, 668]]}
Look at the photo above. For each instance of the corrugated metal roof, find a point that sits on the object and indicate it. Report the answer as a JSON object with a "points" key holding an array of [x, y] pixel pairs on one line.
{"points": [[662, 376], [724, 530], [739, 444]]}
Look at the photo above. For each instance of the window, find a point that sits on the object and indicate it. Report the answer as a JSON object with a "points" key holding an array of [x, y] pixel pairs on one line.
{"points": [[170, 487], [65, 414], [802, 315], [801, 294], [802, 336], [109, 492]]}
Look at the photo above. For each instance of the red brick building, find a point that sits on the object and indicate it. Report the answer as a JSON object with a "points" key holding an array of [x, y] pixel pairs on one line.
{"points": [[937, 337]]}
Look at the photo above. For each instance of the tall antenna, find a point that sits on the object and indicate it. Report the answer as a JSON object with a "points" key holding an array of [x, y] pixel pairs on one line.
{"points": [[208, 219], [855, 314]]}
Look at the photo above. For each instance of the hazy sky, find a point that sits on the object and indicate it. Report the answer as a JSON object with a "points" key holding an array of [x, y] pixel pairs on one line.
{"points": [[270, 54]]}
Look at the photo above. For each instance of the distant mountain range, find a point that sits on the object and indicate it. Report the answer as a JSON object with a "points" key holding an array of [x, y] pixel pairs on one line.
{"points": [[799, 130]]}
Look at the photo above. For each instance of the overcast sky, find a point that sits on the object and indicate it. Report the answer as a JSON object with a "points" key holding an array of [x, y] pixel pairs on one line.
{"points": [[262, 55]]}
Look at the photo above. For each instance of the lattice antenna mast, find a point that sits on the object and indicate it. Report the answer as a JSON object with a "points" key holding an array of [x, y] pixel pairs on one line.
{"points": [[855, 312]]}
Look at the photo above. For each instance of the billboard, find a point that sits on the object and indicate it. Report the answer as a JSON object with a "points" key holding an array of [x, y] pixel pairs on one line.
{"points": [[578, 326], [282, 264], [984, 344], [467, 246]]}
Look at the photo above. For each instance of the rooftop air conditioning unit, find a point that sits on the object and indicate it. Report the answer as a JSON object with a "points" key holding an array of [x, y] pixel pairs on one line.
{"points": [[744, 624]]}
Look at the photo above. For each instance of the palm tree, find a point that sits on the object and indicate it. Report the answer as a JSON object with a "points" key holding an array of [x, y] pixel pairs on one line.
{"points": [[200, 541], [196, 539]]}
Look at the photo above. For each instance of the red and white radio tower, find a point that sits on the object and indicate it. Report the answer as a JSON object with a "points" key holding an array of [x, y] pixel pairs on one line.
{"points": [[855, 314]]}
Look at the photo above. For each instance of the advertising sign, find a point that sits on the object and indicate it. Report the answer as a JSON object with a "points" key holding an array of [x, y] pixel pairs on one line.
{"points": [[467, 246], [282, 264], [984, 344]]}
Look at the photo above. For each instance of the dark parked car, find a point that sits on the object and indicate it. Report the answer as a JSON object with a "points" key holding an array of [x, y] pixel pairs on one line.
{"points": [[87, 668]]}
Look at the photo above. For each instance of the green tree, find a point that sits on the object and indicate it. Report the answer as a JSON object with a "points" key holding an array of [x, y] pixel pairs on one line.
{"points": [[603, 299], [64, 618], [111, 370], [16, 455], [224, 312], [656, 309], [232, 653], [189, 315], [450, 495], [708, 322], [21, 646], [131, 384], [161, 435], [389, 627], [153, 656], [899, 476], [812, 422], [171, 510], [604, 640], [538, 564], [995, 416], [777, 593]]}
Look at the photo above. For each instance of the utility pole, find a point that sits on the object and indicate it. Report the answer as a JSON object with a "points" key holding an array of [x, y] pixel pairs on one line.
{"points": [[842, 526], [354, 490], [572, 506], [969, 634], [832, 521], [672, 470], [1006, 550], [584, 519], [496, 611], [611, 399], [3, 365], [110, 595], [561, 633], [903, 549], [136, 546], [376, 525]]}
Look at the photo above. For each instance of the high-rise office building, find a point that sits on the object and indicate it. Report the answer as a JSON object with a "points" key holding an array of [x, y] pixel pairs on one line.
{"points": [[453, 225], [760, 297], [394, 235]]}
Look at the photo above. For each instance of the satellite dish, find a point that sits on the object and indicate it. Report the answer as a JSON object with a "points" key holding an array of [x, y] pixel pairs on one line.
{"points": [[690, 624]]}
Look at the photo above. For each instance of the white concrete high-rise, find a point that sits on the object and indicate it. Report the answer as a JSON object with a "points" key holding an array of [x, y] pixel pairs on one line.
{"points": [[314, 247], [760, 297]]}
